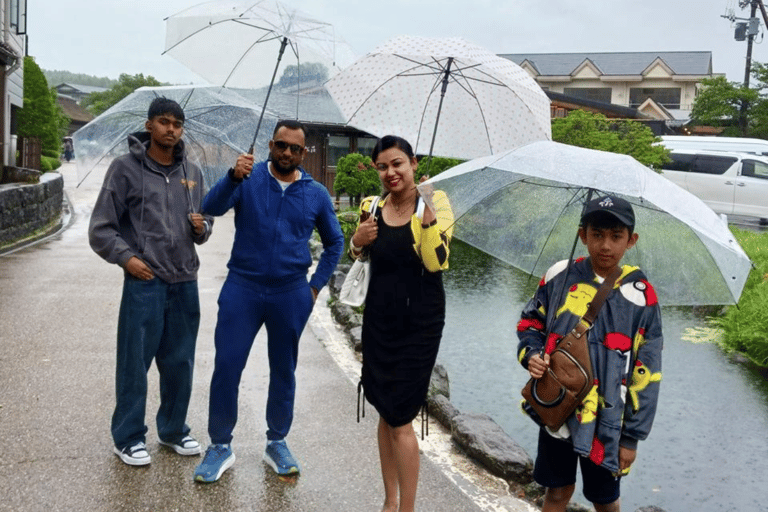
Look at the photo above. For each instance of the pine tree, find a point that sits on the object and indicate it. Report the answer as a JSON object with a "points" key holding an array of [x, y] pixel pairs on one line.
{"points": [[39, 116]]}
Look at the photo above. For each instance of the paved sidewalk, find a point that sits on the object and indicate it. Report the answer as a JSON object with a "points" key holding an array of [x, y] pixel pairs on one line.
{"points": [[58, 314]]}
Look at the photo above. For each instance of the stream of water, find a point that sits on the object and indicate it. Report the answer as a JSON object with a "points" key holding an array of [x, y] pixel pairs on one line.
{"points": [[708, 450]]}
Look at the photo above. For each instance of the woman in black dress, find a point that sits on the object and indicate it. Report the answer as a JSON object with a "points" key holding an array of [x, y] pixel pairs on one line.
{"points": [[407, 241]]}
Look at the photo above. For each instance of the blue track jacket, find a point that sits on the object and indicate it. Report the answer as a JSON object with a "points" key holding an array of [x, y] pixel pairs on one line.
{"points": [[273, 227]]}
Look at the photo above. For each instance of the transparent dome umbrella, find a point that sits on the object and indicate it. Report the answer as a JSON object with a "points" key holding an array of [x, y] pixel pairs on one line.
{"points": [[523, 206], [218, 127], [248, 44], [447, 97]]}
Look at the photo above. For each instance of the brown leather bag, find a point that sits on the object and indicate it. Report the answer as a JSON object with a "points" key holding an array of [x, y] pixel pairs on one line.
{"points": [[568, 380]]}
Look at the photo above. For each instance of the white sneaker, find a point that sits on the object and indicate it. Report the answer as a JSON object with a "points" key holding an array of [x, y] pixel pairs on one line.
{"points": [[135, 455], [187, 446]]}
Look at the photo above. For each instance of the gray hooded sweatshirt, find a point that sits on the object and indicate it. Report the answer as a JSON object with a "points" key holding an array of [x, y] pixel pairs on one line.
{"points": [[142, 210]]}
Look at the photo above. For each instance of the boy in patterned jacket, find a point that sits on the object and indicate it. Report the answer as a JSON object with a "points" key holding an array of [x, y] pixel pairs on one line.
{"points": [[625, 345]]}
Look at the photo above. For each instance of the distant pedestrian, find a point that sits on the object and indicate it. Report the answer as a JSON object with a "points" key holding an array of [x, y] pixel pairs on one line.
{"points": [[277, 207], [408, 246], [69, 150], [147, 220]]}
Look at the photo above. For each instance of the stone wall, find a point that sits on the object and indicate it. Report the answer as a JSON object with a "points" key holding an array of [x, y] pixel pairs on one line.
{"points": [[26, 208]]}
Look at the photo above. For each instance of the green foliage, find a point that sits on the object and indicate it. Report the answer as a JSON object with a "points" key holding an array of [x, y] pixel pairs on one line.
{"points": [[357, 177], [100, 102], [49, 153], [61, 119], [39, 117], [719, 104], [436, 165], [745, 329], [595, 131], [56, 77], [348, 221]]}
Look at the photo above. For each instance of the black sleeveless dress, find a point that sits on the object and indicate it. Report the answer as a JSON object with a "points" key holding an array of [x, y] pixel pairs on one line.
{"points": [[402, 325]]}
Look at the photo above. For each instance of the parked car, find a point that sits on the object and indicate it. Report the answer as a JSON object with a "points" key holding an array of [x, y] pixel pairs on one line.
{"points": [[709, 143], [728, 182]]}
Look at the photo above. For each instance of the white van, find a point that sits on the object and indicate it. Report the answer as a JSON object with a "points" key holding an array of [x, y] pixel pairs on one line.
{"points": [[729, 183], [735, 144]]}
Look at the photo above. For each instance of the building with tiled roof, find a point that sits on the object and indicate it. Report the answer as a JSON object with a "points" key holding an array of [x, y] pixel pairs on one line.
{"points": [[77, 91], [661, 85]]}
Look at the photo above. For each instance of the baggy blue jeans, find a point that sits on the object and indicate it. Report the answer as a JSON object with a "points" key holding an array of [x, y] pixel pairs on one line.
{"points": [[157, 321], [243, 308]]}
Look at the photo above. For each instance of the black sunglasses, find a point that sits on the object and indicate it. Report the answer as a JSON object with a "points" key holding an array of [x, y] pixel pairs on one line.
{"points": [[282, 146]]}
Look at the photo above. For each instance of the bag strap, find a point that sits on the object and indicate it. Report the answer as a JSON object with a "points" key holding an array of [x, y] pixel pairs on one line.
{"points": [[374, 206], [601, 295], [586, 321]]}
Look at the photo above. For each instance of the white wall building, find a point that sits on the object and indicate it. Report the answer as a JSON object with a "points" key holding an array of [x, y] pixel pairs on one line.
{"points": [[662, 85], [13, 22]]}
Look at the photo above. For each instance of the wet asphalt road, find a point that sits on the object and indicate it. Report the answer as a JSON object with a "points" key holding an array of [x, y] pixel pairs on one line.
{"points": [[58, 315]]}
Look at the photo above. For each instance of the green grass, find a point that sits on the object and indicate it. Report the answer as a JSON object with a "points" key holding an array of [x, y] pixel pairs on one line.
{"points": [[745, 328]]}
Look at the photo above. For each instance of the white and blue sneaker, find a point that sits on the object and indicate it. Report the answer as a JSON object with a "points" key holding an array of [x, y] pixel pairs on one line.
{"points": [[188, 445], [218, 458], [279, 458], [134, 455]]}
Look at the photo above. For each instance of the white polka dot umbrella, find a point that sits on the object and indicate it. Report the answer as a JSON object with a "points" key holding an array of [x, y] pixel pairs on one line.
{"points": [[445, 96]]}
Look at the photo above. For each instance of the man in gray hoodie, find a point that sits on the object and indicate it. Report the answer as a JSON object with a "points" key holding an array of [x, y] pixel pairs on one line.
{"points": [[146, 220]]}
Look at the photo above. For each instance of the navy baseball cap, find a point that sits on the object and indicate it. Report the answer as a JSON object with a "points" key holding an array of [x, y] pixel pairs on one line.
{"points": [[616, 206]]}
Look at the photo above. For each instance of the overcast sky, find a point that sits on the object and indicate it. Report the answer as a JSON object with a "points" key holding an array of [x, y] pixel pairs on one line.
{"points": [[109, 37]]}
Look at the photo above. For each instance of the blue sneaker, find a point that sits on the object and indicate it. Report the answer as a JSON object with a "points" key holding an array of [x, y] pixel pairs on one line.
{"points": [[218, 458], [279, 458]]}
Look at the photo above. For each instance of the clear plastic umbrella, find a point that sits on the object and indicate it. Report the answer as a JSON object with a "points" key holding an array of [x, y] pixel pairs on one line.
{"points": [[408, 86], [523, 206], [248, 44], [218, 127]]}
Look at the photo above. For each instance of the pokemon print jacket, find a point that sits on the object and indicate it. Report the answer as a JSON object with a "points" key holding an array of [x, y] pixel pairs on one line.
{"points": [[625, 346]]}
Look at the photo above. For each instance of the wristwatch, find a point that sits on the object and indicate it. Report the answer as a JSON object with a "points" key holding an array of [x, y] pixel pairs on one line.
{"points": [[354, 247]]}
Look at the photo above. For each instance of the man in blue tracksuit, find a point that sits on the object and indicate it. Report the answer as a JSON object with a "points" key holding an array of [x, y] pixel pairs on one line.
{"points": [[277, 207]]}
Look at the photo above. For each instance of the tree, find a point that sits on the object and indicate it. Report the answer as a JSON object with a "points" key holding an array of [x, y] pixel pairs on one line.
{"points": [[100, 102], [595, 131], [436, 165], [356, 176], [719, 104], [40, 117]]}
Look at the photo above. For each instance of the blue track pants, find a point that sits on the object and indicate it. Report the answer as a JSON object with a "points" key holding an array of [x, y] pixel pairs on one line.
{"points": [[243, 308]]}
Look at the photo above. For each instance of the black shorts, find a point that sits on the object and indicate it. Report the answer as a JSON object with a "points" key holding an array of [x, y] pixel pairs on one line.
{"points": [[556, 467]]}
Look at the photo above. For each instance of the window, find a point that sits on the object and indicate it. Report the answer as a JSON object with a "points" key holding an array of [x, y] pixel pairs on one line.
{"points": [[19, 16], [754, 169], [337, 147], [680, 162], [706, 164], [601, 94], [668, 97], [365, 145]]}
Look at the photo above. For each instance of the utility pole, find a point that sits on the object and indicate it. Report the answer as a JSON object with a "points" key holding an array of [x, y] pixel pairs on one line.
{"points": [[748, 70]]}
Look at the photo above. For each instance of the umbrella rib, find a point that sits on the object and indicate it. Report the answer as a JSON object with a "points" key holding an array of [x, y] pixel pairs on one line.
{"points": [[438, 80], [552, 228]]}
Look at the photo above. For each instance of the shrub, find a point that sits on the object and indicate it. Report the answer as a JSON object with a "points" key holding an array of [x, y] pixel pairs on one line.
{"points": [[437, 165], [49, 164], [45, 164], [357, 177], [745, 327], [50, 153]]}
